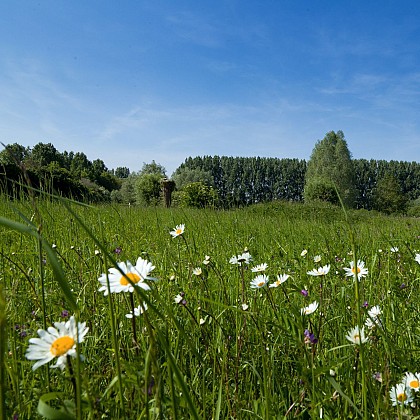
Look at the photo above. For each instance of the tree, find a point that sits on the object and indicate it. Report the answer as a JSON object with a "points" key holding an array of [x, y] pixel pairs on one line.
{"points": [[197, 194], [330, 165], [184, 176], [388, 196], [153, 168], [13, 154], [148, 188], [43, 154], [122, 172]]}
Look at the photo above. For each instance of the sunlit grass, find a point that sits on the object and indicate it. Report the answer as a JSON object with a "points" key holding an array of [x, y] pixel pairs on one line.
{"points": [[224, 350]]}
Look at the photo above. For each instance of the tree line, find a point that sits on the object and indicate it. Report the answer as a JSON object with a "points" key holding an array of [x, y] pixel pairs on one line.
{"points": [[221, 181]]}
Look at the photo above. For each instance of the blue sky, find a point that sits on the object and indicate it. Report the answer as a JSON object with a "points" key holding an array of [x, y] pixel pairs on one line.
{"points": [[133, 81]]}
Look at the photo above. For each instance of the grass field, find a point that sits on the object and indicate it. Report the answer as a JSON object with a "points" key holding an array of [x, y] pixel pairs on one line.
{"points": [[218, 340]]}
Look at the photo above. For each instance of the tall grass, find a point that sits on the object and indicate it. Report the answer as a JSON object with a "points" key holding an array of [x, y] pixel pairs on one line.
{"points": [[223, 351]]}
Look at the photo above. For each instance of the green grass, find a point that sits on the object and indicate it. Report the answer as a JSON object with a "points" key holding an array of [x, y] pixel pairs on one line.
{"points": [[209, 358]]}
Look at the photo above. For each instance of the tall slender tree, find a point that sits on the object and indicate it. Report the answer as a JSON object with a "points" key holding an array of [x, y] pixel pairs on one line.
{"points": [[330, 170]]}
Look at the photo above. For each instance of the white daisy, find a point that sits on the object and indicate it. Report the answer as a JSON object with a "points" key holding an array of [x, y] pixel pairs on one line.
{"points": [[57, 342], [394, 249], [179, 230], [321, 271], [141, 309], [197, 271], [361, 270], [310, 309], [357, 335], [244, 258], [412, 381], [304, 252], [417, 258], [317, 258], [281, 278], [206, 260], [119, 282], [259, 268], [259, 281], [178, 299], [400, 394], [245, 307]]}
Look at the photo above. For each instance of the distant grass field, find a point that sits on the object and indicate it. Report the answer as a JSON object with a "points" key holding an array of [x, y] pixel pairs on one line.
{"points": [[210, 346]]}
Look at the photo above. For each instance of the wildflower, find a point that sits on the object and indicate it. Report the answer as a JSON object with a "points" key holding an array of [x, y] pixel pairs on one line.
{"points": [[117, 250], [64, 313], [178, 299], [357, 335], [377, 376], [202, 321], [321, 271], [412, 381], [417, 258], [119, 282], [141, 309], [304, 292], [258, 268], [317, 258], [304, 252], [281, 278], [179, 230], [400, 394], [57, 342], [360, 269], [394, 249], [197, 271], [365, 304], [311, 308], [53, 246], [309, 337], [206, 260], [374, 312], [245, 307], [97, 252], [244, 258], [259, 281]]}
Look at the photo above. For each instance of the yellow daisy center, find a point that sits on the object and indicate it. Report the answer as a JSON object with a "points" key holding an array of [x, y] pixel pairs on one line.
{"points": [[414, 383], [402, 397], [356, 337], [135, 278], [61, 346], [261, 284], [178, 231], [354, 269]]}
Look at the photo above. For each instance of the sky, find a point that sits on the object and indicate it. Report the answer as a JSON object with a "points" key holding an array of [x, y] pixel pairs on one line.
{"points": [[133, 81]]}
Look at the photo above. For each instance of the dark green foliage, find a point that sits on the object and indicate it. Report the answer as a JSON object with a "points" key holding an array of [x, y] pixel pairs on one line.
{"points": [[389, 197], [148, 189], [185, 175], [198, 195], [331, 164], [321, 189]]}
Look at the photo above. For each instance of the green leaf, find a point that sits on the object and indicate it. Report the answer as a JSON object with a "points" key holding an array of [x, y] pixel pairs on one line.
{"points": [[63, 413]]}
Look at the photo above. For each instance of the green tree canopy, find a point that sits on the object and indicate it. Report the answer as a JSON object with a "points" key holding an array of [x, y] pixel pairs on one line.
{"points": [[330, 165]]}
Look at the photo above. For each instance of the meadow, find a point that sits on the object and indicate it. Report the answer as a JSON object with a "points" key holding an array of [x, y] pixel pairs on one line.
{"points": [[240, 314]]}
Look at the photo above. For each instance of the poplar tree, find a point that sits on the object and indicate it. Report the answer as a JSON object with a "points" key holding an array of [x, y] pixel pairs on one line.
{"points": [[330, 171]]}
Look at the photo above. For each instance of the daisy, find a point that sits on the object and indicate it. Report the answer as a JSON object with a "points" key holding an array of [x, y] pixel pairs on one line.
{"points": [[417, 258], [197, 271], [206, 260], [281, 278], [179, 230], [374, 312], [141, 309], [119, 282], [361, 270], [304, 252], [400, 394], [321, 271], [259, 281], [178, 299], [412, 381], [57, 342], [260, 267], [317, 258], [310, 309], [394, 249], [245, 307], [244, 258], [357, 335]]}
